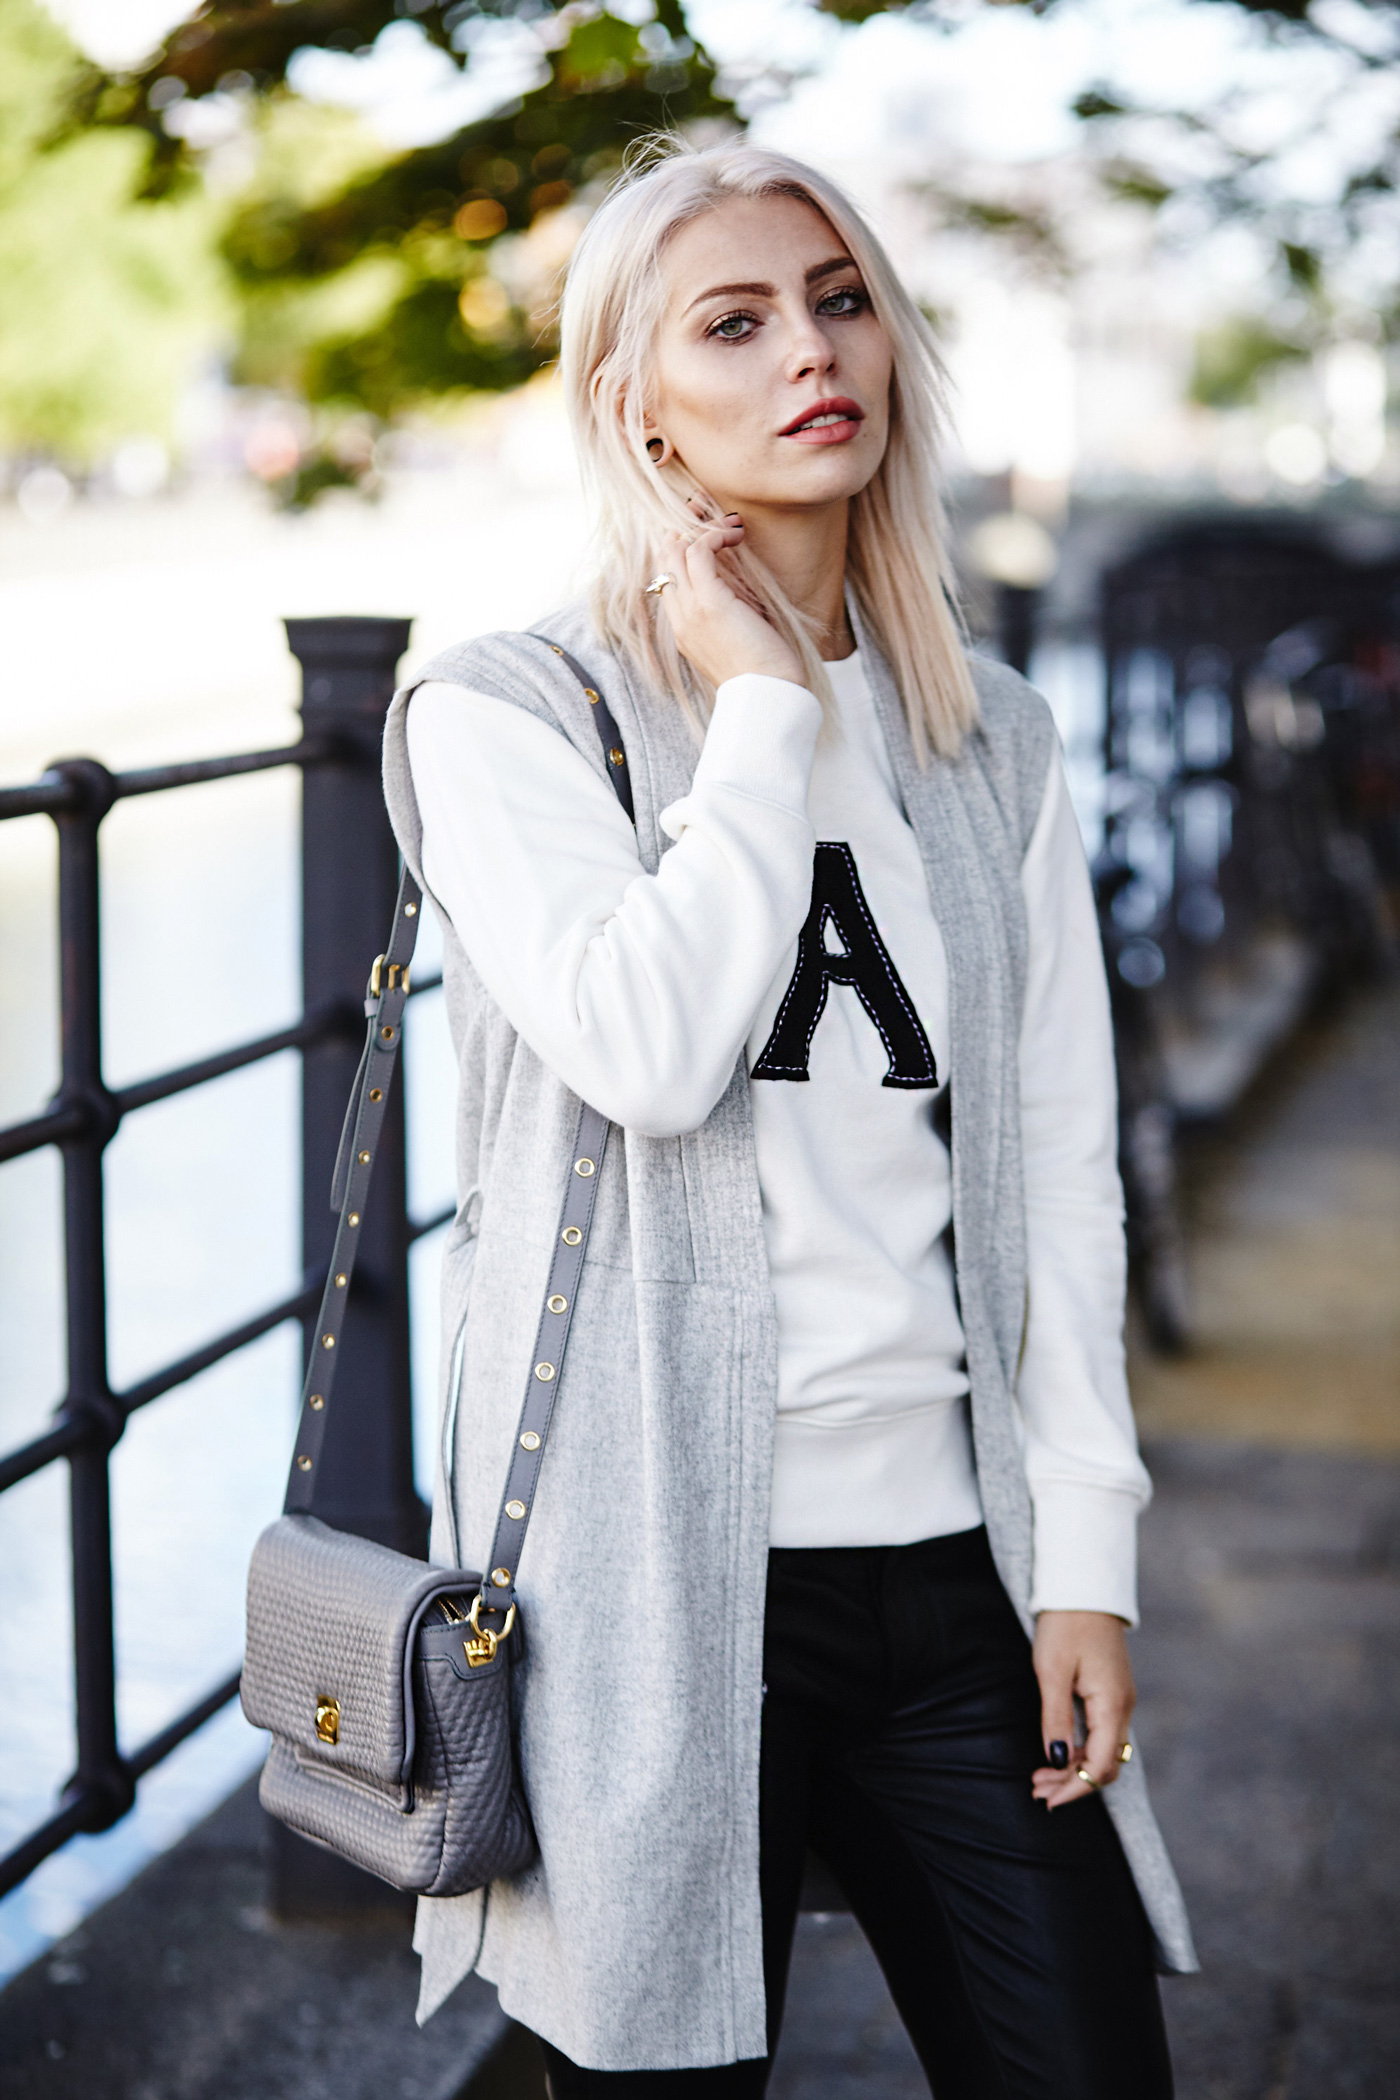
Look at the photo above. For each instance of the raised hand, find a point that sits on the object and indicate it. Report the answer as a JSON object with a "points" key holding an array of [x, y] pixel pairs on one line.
{"points": [[717, 630]]}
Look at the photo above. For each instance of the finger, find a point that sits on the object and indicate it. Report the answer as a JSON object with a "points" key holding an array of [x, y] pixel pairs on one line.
{"points": [[1108, 1731], [1056, 1789], [1056, 1782], [1065, 1792], [672, 555], [702, 564], [727, 532], [1056, 1674]]}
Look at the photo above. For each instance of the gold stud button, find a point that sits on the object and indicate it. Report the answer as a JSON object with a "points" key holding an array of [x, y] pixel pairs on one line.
{"points": [[572, 1235], [354, 1218], [341, 1281], [501, 1578], [529, 1442], [303, 1464], [410, 911], [376, 1093], [316, 1403], [328, 1341], [328, 1720], [615, 755], [557, 1304], [584, 1167], [364, 1159], [544, 1372], [516, 1510]]}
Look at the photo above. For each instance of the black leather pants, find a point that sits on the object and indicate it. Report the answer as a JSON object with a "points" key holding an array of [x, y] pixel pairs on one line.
{"points": [[901, 1725]]}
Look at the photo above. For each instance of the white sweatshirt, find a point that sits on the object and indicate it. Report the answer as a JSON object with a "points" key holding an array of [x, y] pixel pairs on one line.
{"points": [[641, 991]]}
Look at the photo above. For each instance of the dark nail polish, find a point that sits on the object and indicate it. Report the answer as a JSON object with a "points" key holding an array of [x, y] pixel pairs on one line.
{"points": [[1059, 1755]]}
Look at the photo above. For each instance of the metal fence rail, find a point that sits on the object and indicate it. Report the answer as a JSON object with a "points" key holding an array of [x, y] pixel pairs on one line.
{"points": [[349, 875], [1252, 828]]}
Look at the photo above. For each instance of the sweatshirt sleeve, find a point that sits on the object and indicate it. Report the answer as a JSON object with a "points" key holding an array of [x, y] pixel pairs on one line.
{"points": [[637, 990], [1087, 1481]]}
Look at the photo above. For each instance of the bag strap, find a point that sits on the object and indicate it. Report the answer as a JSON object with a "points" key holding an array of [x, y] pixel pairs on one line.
{"points": [[385, 998], [610, 735]]}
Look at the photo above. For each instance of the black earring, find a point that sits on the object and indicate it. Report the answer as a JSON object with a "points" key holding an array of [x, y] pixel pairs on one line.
{"points": [[655, 448]]}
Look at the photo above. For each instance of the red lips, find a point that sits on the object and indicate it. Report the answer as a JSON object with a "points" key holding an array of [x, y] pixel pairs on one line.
{"points": [[838, 405]]}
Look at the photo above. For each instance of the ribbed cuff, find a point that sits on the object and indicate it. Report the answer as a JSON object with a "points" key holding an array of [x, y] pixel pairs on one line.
{"points": [[761, 740], [1085, 1549]]}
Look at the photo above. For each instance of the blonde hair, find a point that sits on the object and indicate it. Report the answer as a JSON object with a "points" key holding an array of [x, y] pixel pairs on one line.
{"points": [[897, 563]]}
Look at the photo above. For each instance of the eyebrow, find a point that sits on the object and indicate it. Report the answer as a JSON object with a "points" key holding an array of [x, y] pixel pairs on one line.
{"points": [[767, 291]]}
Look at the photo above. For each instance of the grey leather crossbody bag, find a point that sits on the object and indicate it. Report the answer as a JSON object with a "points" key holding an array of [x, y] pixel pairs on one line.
{"points": [[385, 1681]]}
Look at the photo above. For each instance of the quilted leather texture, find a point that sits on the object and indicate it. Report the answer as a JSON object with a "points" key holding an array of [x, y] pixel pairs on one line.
{"points": [[329, 1616], [468, 1824], [421, 1789]]}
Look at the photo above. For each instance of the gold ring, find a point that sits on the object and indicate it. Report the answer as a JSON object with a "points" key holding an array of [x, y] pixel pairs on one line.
{"points": [[658, 584], [1088, 1778], [1125, 1755]]}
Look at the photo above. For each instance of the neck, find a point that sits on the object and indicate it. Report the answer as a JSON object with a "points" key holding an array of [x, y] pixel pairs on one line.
{"points": [[806, 551]]}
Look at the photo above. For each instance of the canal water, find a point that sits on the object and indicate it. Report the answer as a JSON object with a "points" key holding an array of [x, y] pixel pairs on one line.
{"points": [[141, 634]]}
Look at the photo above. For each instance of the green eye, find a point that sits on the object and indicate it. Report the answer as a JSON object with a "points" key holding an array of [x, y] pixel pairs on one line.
{"points": [[733, 328]]}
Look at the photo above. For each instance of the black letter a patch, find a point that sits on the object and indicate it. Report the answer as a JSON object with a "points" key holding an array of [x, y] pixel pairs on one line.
{"points": [[839, 901]]}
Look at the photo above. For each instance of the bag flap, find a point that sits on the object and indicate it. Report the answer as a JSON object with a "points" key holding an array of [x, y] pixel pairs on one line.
{"points": [[332, 1620]]}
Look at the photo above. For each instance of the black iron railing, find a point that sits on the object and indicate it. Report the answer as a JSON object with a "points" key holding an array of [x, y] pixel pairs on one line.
{"points": [[349, 868], [1252, 827]]}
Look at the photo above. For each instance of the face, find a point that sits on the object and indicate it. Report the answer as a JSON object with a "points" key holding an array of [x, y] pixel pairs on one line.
{"points": [[772, 377]]}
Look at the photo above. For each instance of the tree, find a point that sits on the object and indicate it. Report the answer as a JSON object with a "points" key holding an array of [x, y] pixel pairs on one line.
{"points": [[104, 300], [432, 272], [450, 319], [427, 273]]}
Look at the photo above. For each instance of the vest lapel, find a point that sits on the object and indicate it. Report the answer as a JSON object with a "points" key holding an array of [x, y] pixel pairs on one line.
{"points": [[971, 870]]}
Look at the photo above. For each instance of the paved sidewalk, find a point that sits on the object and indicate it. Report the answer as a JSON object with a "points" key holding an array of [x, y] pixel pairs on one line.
{"points": [[1294, 1237], [183, 1988]]}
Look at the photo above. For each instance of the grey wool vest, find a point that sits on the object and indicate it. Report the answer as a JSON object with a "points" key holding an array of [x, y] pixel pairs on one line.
{"points": [[635, 1940]]}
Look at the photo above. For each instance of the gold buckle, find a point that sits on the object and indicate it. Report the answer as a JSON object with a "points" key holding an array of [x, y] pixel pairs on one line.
{"points": [[481, 1649], [398, 977]]}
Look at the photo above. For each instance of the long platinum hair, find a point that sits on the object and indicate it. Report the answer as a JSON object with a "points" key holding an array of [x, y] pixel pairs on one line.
{"points": [[897, 562]]}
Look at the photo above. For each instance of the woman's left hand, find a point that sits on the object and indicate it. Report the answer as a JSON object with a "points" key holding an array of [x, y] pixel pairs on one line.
{"points": [[1084, 1652]]}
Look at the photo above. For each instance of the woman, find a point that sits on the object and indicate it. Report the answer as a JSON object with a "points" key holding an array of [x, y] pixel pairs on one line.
{"points": [[844, 1418]]}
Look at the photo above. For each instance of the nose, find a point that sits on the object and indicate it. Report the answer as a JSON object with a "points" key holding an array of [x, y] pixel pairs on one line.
{"points": [[810, 349]]}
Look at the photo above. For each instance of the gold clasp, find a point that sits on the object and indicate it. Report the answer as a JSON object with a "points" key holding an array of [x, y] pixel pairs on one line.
{"points": [[481, 1649], [327, 1720], [398, 977]]}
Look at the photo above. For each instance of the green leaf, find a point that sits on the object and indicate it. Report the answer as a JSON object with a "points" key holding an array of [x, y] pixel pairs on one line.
{"points": [[1233, 359], [1098, 102]]}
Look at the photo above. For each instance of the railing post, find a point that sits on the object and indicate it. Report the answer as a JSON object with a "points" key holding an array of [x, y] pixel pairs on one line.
{"points": [[349, 881], [1017, 609], [100, 1774]]}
